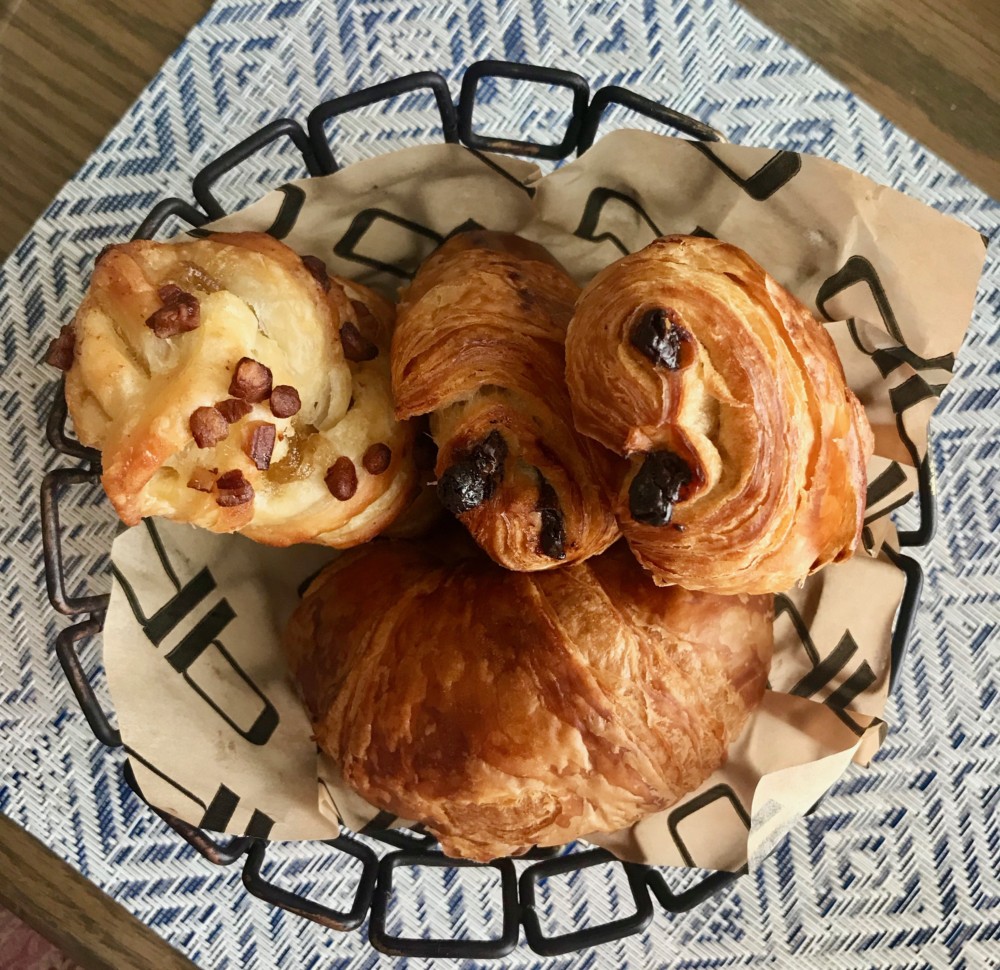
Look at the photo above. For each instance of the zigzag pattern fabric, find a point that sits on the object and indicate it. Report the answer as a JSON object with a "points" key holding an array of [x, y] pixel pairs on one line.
{"points": [[897, 868]]}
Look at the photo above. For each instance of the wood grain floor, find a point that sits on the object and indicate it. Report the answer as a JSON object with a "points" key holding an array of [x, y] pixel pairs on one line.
{"points": [[72, 913], [930, 66], [70, 68]]}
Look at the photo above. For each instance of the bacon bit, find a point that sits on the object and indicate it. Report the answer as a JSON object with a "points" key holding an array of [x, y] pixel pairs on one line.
{"points": [[364, 316], [62, 348], [317, 268], [258, 443], [208, 427], [233, 489], [285, 401], [180, 313], [202, 479], [232, 409], [356, 346], [342, 479], [251, 381], [377, 458]]}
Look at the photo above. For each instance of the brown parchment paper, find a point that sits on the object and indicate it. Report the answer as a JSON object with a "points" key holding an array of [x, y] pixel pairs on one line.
{"points": [[215, 730]]}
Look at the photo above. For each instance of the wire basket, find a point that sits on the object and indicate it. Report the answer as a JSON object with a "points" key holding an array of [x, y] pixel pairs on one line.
{"points": [[414, 848]]}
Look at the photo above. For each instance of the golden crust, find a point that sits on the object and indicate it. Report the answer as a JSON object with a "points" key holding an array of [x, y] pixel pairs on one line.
{"points": [[754, 402], [505, 710], [132, 394], [479, 346]]}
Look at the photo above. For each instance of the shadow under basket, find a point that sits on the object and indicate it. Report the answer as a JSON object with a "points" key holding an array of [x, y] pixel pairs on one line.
{"points": [[516, 896]]}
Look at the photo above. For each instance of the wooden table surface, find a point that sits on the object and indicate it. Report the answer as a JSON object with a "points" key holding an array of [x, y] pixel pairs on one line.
{"points": [[70, 68]]}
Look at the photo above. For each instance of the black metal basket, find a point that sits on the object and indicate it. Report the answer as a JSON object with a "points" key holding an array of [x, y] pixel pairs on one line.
{"points": [[375, 885]]}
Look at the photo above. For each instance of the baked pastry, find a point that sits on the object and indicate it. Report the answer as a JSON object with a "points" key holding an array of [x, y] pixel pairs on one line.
{"points": [[504, 710], [747, 451], [425, 512], [479, 347], [232, 384]]}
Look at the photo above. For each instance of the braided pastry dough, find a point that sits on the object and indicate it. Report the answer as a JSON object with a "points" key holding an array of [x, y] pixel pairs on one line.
{"points": [[229, 383], [479, 346], [747, 450], [504, 710]]}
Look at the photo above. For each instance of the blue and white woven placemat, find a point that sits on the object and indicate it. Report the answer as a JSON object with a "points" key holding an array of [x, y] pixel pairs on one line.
{"points": [[900, 867]]}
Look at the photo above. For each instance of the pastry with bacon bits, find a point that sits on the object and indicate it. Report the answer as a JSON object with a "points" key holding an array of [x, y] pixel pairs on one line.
{"points": [[233, 384]]}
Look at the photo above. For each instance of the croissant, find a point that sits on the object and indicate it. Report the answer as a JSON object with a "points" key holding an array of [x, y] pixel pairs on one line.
{"points": [[747, 451], [232, 384], [479, 346], [504, 710]]}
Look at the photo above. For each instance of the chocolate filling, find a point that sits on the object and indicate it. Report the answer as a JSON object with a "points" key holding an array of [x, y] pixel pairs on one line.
{"points": [[208, 427], [659, 336], [377, 458], [474, 478], [366, 319], [552, 537], [657, 487], [259, 445], [202, 479], [232, 409]]}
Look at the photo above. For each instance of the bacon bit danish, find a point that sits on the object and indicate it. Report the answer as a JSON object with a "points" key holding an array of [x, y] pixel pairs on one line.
{"points": [[236, 319]]}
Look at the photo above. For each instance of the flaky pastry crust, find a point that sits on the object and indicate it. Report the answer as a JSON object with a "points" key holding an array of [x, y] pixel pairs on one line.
{"points": [[231, 384], [504, 710], [479, 347], [747, 450]]}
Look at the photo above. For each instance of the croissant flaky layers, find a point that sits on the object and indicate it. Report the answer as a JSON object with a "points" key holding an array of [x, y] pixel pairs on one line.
{"points": [[232, 384], [479, 347], [747, 452], [504, 710]]}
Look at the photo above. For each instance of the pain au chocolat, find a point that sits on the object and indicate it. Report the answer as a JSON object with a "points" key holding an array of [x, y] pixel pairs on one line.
{"points": [[479, 347], [746, 449]]}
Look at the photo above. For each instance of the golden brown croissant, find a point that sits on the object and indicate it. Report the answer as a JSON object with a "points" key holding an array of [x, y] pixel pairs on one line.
{"points": [[747, 449], [504, 710], [479, 345], [230, 383]]}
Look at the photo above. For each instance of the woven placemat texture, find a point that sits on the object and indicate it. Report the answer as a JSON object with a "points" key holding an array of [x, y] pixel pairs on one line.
{"points": [[898, 867]]}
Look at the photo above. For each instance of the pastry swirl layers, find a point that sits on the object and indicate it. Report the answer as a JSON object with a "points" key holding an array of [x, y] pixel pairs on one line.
{"points": [[232, 384], [479, 347], [747, 451], [504, 710]]}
